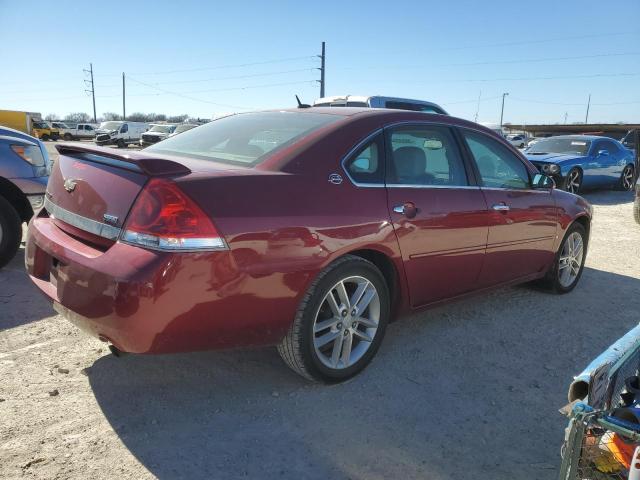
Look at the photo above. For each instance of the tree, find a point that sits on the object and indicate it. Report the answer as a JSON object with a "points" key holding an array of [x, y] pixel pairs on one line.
{"points": [[178, 118], [108, 116], [51, 116], [79, 117], [137, 117]]}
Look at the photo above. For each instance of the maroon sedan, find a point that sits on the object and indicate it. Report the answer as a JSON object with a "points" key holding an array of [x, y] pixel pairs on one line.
{"points": [[308, 229]]}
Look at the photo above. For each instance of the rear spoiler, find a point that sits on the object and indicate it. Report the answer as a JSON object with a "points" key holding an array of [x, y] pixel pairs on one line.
{"points": [[135, 161]]}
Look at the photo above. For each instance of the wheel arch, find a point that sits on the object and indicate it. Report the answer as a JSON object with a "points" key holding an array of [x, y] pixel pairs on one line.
{"points": [[388, 269], [585, 221], [16, 198]]}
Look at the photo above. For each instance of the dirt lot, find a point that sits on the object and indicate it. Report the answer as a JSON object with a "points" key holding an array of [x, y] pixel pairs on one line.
{"points": [[470, 390]]}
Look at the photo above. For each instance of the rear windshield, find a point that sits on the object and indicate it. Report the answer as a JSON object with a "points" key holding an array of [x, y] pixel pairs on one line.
{"points": [[244, 139]]}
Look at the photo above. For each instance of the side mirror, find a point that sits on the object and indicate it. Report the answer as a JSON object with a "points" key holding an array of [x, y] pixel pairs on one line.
{"points": [[603, 153], [543, 182]]}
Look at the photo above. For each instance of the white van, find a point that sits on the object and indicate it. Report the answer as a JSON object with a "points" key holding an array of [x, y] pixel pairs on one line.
{"points": [[120, 133]]}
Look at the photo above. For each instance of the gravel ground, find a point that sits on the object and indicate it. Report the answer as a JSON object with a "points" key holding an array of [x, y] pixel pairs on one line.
{"points": [[469, 387]]}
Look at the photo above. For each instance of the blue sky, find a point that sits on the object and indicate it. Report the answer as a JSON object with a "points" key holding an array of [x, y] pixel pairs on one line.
{"points": [[207, 58]]}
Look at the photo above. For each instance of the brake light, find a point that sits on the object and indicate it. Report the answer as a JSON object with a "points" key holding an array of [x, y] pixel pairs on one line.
{"points": [[164, 217]]}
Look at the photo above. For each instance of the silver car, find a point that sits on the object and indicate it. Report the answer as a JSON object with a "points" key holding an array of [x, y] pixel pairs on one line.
{"points": [[24, 172]]}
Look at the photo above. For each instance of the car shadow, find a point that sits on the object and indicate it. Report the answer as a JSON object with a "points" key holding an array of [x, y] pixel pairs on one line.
{"points": [[608, 197], [471, 386], [20, 300]]}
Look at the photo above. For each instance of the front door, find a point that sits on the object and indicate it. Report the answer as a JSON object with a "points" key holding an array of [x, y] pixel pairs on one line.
{"points": [[522, 220], [440, 217]]}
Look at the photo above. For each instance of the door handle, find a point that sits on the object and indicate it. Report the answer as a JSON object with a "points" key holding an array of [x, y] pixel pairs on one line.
{"points": [[408, 209], [501, 207]]}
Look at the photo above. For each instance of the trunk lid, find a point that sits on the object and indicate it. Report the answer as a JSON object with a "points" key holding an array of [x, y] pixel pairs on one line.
{"points": [[93, 188]]}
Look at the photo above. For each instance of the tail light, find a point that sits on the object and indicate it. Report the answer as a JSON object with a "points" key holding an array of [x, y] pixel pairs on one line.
{"points": [[163, 217]]}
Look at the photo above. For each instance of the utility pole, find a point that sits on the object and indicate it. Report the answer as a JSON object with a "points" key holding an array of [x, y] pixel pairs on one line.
{"points": [[566, 114], [502, 111], [322, 59], [586, 118], [93, 91], [124, 111], [478, 108]]}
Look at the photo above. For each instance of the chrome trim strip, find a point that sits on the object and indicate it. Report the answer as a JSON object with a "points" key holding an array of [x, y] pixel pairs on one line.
{"points": [[88, 225], [447, 187]]}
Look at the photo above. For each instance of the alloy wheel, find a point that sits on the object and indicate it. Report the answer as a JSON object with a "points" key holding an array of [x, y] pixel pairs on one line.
{"points": [[346, 322], [573, 181], [571, 258], [627, 178]]}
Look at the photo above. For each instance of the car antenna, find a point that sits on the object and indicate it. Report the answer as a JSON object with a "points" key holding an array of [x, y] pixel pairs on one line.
{"points": [[300, 104]]}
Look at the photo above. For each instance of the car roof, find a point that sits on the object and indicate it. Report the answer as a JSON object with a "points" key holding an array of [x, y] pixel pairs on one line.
{"points": [[10, 132]]}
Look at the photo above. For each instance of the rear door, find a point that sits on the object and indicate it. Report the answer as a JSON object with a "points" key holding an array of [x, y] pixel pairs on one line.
{"points": [[439, 215], [522, 220]]}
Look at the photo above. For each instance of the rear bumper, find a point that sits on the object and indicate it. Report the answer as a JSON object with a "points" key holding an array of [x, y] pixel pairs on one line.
{"points": [[146, 301]]}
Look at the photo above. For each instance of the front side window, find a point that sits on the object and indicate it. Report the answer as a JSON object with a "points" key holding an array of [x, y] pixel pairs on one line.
{"points": [[498, 166], [125, 128], [366, 165], [425, 155]]}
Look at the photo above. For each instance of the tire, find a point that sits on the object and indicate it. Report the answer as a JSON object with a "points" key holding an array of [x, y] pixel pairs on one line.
{"points": [[573, 181], [302, 348], [626, 179], [121, 144], [10, 232], [45, 138], [554, 279], [68, 137]]}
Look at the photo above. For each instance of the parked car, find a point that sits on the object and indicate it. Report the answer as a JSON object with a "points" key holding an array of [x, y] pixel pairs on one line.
{"points": [[24, 170], [183, 127], [378, 101], [120, 133], [30, 123], [82, 131], [309, 229], [584, 161], [517, 140], [636, 204], [156, 133]]}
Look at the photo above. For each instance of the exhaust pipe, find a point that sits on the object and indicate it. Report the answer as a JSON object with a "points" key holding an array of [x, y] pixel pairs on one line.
{"points": [[612, 357], [116, 352]]}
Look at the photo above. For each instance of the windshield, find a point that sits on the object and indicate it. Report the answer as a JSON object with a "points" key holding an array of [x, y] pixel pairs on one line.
{"points": [[183, 128], [243, 139], [561, 145], [162, 128], [110, 125]]}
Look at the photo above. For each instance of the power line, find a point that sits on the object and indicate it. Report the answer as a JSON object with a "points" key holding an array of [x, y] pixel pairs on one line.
{"points": [[545, 40], [235, 77], [216, 67], [493, 62], [177, 94]]}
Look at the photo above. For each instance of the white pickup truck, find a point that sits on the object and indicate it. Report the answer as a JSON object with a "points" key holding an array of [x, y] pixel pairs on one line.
{"points": [[81, 130]]}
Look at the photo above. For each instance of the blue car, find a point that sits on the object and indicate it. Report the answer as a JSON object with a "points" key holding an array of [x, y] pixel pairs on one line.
{"points": [[24, 171], [584, 161]]}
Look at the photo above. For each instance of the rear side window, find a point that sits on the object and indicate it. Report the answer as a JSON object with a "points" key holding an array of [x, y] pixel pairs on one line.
{"points": [[498, 167], [610, 147], [425, 155], [366, 165], [244, 139]]}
